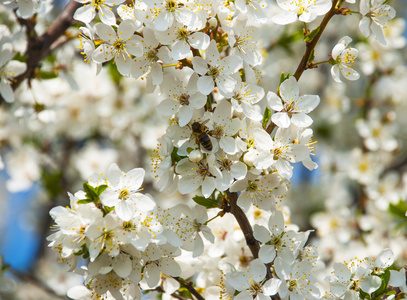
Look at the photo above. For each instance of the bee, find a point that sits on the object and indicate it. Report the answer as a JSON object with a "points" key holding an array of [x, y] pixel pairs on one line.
{"points": [[200, 131]]}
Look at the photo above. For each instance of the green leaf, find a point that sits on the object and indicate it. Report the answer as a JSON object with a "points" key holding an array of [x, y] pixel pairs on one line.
{"points": [[311, 35], [383, 288], [311, 56], [91, 193], [266, 117], [206, 202], [48, 74], [399, 209], [100, 189], [284, 77], [85, 201], [174, 156]]}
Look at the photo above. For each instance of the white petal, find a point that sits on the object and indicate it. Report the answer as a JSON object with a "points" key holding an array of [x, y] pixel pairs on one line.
{"points": [[364, 26], [281, 119], [261, 233], [370, 284], [208, 186], [285, 18], [228, 144], [125, 210], [6, 92], [184, 115], [200, 65], [168, 107], [180, 50], [274, 101], [199, 40], [301, 120], [123, 64], [205, 85], [289, 90], [258, 270], [144, 203], [152, 275], [271, 286], [267, 253], [163, 21], [385, 259], [107, 16], [122, 266], [335, 72]]}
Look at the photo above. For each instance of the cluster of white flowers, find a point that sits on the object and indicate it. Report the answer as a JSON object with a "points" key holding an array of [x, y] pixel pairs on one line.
{"points": [[127, 238]]}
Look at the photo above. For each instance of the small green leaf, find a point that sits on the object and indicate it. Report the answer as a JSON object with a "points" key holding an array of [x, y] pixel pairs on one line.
{"points": [[311, 35], [48, 74], [399, 209], [266, 117], [100, 189], [206, 202], [174, 156], [311, 56], [85, 201], [383, 288], [91, 193]]}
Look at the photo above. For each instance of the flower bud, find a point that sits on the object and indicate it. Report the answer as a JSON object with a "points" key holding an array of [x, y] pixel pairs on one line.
{"points": [[212, 22], [195, 156]]}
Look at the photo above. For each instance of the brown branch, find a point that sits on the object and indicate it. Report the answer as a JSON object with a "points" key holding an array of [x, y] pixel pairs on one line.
{"points": [[160, 289], [190, 288], [39, 47], [303, 65], [244, 224]]}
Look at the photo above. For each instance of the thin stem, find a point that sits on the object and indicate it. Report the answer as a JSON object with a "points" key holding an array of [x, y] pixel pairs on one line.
{"points": [[219, 214], [38, 48], [321, 62], [311, 45], [189, 287], [172, 65]]}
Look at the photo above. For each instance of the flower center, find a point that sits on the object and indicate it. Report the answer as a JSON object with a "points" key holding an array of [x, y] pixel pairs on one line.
{"points": [[252, 186], [184, 99], [225, 164], [97, 3], [203, 170], [119, 45], [171, 6], [218, 131], [152, 55], [124, 194], [182, 33], [214, 71]]}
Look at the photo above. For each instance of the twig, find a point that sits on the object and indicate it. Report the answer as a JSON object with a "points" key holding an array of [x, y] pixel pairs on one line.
{"points": [[175, 295], [39, 47], [190, 288], [311, 45]]}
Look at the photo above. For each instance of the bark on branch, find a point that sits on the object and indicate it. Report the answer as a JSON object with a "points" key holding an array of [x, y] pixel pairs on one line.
{"points": [[39, 47]]}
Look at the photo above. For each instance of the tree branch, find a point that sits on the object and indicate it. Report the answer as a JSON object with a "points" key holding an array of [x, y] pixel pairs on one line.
{"points": [[311, 45], [189, 287], [244, 224], [39, 47]]}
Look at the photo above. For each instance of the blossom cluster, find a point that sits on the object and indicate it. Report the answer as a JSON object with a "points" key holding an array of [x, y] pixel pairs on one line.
{"points": [[126, 237]]}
